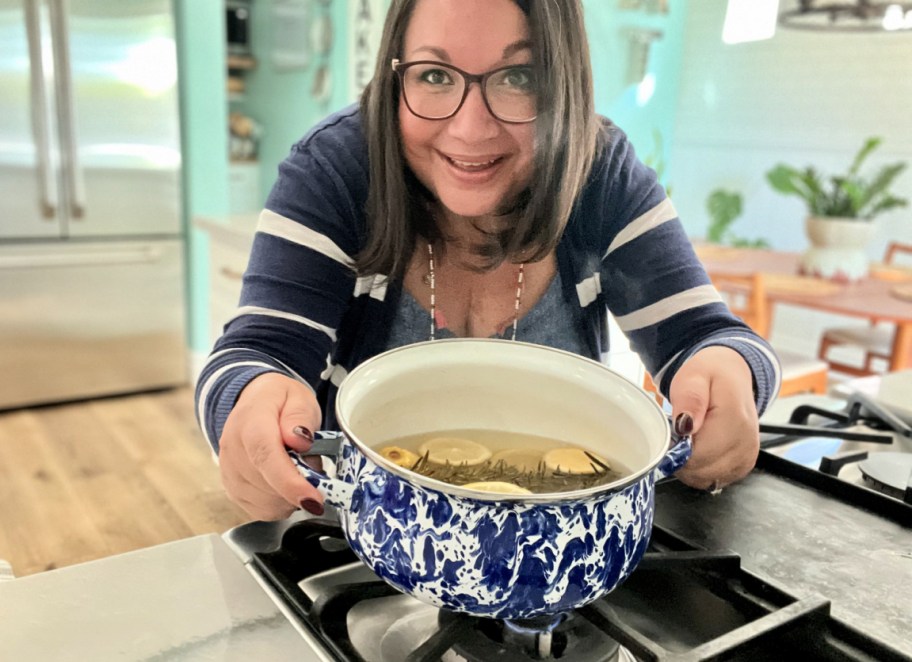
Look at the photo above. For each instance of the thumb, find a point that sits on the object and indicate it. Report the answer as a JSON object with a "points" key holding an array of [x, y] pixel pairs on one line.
{"points": [[299, 417], [690, 400]]}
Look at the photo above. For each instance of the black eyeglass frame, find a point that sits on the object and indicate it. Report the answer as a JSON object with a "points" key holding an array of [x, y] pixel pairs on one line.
{"points": [[399, 68]]}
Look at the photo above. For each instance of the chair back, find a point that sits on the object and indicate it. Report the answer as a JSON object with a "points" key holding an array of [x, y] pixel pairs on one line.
{"points": [[746, 297], [894, 248]]}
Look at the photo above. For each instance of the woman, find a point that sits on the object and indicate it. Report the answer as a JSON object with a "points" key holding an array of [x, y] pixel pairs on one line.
{"points": [[475, 192]]}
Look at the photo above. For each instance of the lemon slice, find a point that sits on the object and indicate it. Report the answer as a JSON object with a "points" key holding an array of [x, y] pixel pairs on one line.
{"points": [[524, 459], [571, 460], [401, 456], [497, 487], [452, 450]]}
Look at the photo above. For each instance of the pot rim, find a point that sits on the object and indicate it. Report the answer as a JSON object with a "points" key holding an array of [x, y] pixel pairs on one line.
{"points": [[459, 491]]}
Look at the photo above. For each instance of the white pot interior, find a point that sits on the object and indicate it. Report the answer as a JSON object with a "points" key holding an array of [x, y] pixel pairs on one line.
{"points": [[502, 385]]}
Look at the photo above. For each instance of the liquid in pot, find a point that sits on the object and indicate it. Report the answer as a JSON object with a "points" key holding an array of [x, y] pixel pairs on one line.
{"points": [[503, 462]]}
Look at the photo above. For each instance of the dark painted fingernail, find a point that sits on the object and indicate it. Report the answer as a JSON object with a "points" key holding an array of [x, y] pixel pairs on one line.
{"points": [[684, 424], [312, 506], [301, 431]]}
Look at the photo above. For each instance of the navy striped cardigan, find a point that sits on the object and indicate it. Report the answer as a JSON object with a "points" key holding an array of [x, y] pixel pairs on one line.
{"points": [[305, 313]]}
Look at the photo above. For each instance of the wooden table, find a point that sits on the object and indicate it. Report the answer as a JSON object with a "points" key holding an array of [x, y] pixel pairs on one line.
{"points": [[872, 298]]}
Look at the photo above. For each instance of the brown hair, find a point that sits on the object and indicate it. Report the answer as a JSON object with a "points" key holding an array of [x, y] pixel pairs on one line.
{"points": [[399, 207]]}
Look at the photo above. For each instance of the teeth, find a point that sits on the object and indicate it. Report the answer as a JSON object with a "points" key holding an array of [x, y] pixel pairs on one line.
{"points": [[470, 164]]}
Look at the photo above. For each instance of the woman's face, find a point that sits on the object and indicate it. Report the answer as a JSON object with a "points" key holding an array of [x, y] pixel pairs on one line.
{"points": [[472, 162]]}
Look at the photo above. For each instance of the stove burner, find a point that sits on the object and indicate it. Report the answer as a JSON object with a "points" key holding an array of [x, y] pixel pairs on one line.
{"points": [[562, 637], [890, 473]]}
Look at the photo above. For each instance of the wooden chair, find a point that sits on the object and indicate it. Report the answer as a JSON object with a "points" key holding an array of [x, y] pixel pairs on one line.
{"points": [[650, 387], [746, 298], [874, 340]]}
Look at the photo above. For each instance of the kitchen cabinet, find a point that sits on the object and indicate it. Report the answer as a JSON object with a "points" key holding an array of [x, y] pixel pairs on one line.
{"points": [[230, 239]]}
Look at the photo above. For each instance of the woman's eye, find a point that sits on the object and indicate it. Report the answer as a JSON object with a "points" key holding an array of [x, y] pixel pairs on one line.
{"points": [[519, 77], [437, 77]]}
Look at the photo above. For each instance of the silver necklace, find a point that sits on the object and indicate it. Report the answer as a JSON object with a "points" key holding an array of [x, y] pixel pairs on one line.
{"points": [[432, 282]]}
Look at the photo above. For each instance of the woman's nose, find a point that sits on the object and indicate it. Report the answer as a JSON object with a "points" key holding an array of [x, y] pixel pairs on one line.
{"points": [[473, 121]]}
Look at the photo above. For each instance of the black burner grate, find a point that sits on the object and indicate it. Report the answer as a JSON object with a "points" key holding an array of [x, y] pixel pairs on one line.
{"points": [[681, 604]]}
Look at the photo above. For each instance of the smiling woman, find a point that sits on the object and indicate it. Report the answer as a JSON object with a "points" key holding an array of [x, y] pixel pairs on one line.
{"points": [[473, 193]]}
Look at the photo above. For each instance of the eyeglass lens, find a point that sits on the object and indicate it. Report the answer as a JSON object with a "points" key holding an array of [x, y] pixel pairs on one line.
{"points": [[435, 91]]}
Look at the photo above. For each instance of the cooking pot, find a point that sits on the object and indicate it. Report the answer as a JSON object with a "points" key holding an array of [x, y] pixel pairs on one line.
{"points": [[496, 555]]}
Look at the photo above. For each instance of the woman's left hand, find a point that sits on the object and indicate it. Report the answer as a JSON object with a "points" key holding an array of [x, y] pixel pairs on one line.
{"points": [[715, 389]]}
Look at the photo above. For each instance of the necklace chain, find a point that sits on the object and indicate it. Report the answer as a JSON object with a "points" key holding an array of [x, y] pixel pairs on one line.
{"points": [[432, 281]]}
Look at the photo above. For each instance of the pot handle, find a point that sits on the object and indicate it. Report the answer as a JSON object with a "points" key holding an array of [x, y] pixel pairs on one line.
{"points": [[674, 459], [336, 492]]}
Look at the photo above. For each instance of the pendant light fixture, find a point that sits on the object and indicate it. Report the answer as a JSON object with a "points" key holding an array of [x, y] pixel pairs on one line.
{"points": [[849, 16]]}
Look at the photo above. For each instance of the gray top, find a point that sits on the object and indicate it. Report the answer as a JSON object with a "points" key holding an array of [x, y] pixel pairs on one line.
{"points": [[551, 322]]}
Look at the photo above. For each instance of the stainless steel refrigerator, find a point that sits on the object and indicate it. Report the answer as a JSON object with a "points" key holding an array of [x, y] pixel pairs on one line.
{"points": [[91, 232]]}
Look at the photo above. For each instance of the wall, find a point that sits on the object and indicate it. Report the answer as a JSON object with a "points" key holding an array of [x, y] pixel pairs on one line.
{"points": [[801, 98], [643, 107], [286, 101], [201, 57], [645, 111]]}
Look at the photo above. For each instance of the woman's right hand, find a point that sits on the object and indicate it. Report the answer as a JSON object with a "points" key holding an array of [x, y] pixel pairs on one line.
{"points": [[273, 412]]}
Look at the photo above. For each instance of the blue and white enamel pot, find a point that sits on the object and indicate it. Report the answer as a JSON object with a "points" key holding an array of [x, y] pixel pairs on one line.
{"points": [[487, 554]]}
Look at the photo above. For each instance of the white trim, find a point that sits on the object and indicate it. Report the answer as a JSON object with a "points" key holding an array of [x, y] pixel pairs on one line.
{"points": [[207, 386], [660, 373], [378, 291], [588, 289], [667, 307], [277, 225], [661, 213], [376, 284], [333, 372], [774, 361], [258, 310]]}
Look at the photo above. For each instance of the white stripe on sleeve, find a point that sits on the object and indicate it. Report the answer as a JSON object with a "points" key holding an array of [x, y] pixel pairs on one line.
{"points": [[258, 310], [661, 213], [277, 225], [667, 307]]}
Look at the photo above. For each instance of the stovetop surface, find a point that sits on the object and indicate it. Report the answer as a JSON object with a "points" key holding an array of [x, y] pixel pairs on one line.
{"points": [[807, 541]]}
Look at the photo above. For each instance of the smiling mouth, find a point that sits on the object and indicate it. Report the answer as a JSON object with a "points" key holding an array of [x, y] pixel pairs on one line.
{"points": [[473, 166]]}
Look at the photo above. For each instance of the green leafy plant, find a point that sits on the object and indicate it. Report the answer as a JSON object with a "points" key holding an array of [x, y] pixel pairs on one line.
{"points": [[843, 196], [724, 207], [656, 160]]}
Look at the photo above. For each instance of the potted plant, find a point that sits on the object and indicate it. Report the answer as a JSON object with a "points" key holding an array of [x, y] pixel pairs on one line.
{"points": [[724, 208], [841, 211]]}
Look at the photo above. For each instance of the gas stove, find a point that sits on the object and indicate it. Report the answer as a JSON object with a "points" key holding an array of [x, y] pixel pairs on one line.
{"points": [[882, 462], [802, 557]]}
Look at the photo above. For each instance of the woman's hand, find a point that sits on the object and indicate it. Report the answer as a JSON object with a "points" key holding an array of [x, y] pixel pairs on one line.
{"points": [[714, 388], [272, 412]]}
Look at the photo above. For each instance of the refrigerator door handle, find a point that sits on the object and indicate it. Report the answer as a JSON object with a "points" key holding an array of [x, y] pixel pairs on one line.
{"points": [[139, 255], [66, 109], [46, 178]]}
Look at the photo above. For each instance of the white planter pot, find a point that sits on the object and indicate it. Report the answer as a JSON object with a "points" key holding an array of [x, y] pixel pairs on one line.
{"points": [[838, 248]]}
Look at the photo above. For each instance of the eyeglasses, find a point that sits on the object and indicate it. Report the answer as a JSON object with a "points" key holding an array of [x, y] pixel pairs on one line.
{"points": [[436, 91]]}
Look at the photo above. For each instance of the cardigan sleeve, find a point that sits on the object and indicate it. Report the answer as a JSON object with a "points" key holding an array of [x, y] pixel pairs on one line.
{"points": [[299, 280]]}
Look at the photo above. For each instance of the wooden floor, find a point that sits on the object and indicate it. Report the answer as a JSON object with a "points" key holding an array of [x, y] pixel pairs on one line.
{"points": [[83, 481]]}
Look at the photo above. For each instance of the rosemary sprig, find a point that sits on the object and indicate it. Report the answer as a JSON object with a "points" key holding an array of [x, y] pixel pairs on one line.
{"points": [[540, 480]]}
